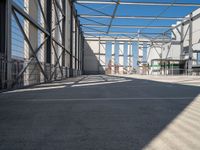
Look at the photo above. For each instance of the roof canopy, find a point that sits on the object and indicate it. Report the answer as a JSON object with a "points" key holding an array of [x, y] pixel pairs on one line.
{"points": [[128, 18]]}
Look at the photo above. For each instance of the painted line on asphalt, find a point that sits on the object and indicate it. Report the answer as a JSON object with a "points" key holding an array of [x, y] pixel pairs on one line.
{"points": [[100, 83], [105, 99], [33, 89]]}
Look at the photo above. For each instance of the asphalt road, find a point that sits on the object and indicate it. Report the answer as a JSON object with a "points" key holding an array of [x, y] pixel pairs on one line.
{"points": [[99, 113]]}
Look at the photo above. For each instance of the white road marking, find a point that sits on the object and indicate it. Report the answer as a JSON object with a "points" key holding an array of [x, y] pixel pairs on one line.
{"points": [[34, 89], [100, 83], [107, 99]]}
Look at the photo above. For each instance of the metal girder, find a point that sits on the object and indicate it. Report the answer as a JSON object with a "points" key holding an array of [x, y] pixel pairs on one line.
{"points": [[139, 3], [190, 63], [8, 16], [113, 15], [93, 29], [57, 17], [55, 65], [131, 17], [57, 24], [2, 28], [28, 17], [43, 14], [59, 7], [71, 41], [128, 33], [29, 44], [53, 39], [29, 62], [186, 21], [93, 21], [58, 59], [75, 46], [124, 26], [103, 38], [64, 22], [49, 28], [93, 9]]}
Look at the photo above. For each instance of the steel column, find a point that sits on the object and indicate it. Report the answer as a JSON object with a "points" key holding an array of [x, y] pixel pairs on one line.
{"points": [[49, 28], [190, 46], [3, 43], [71, 41], [75, 33], [8, 75]]}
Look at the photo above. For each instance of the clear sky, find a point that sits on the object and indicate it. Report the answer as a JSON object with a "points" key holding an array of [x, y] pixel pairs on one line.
{"points": [[135, 10], [123, 10]]}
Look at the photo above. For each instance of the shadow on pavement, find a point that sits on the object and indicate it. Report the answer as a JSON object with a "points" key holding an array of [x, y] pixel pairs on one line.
{"points": [[117, 114]]}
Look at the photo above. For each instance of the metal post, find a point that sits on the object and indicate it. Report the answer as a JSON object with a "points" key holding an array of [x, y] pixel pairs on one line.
{"points": [[99, 55], [63, 34], [2, 43], [8, 75], [161, 55], [181, 43], [138, 46], [182, 40], [49, 40], [71, 42], [75, 42], [82, 51], [190, 46], [78, 47]]}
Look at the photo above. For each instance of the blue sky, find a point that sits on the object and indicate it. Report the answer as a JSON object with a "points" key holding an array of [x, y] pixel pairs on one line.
{"points": [[135, 10], [123, 10]]}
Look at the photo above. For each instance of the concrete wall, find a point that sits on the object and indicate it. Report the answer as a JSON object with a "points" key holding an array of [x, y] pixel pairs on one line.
{"points": [[95, 56], [93, 62]]}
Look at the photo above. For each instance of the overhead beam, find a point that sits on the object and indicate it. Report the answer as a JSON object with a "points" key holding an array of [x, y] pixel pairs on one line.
{"points": [[184, 22], [95, 10], [131, 17], [87, 38], [113, 15], [128, 33], [140, 3], [125, 36], [125, 26]]}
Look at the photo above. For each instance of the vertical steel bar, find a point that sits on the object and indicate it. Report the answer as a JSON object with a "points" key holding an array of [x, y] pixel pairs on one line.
{"points": [[99, 55], [64, 24], [75, 33], [190, 46], [49, 28], [71, 41], [2, 42], [8, 75]]}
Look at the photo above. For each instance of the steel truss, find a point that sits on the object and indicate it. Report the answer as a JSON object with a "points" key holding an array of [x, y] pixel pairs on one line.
{"points": [[49, 70], [138, 3], [100, 14], [96, 30]]}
